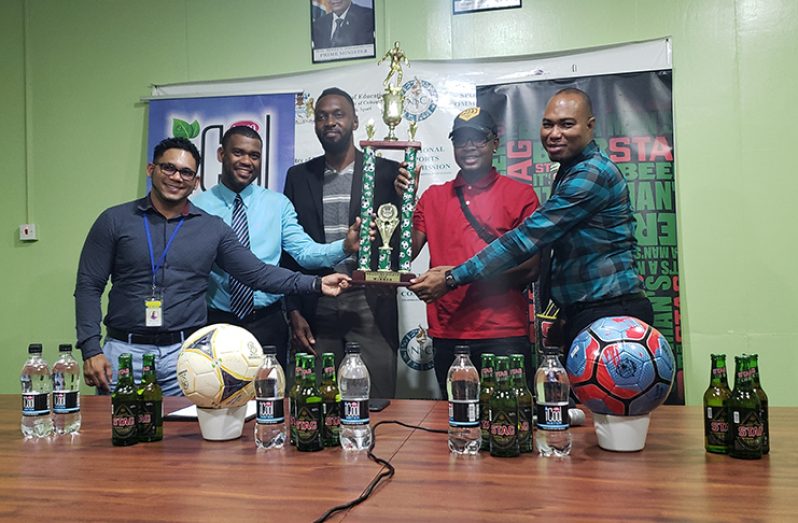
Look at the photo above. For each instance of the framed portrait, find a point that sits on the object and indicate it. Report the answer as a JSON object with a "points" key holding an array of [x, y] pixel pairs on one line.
{"points": [[341, 30], [471, 6]]}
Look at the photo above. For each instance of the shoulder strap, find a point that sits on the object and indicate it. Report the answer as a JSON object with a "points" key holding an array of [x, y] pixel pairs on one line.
{"points": [[483, 233]]}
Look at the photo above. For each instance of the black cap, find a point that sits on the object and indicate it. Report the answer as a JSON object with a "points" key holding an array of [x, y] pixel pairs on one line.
{"points": [[352, 347], [269, 349], [474, 118], [65, 347], [35, 348], [462, 349]]}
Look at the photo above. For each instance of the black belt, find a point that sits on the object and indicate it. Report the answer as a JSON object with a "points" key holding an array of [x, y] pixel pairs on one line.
{"points": [[255, 315], [578, 307], [154, 338]]}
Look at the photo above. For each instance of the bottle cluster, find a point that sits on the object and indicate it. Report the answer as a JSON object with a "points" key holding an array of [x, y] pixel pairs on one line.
{"points": [[136, 410], [50, 400], [329, 415], [495, 412], [736, 421]]}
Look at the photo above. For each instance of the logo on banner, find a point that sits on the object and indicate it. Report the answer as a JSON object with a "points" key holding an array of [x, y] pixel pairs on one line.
{"points": [[416, 349], [420, 100], [303, 108]]}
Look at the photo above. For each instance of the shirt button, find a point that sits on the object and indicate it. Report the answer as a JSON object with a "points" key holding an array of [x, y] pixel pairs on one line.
{"points": [[469, 187], [468, 202]]}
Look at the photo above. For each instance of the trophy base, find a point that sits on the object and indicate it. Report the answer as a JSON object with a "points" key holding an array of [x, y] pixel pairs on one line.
{"points": [[390, 278]]}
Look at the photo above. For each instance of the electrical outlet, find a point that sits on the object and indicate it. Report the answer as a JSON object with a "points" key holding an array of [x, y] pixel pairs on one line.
{"points": [[27, 232]]}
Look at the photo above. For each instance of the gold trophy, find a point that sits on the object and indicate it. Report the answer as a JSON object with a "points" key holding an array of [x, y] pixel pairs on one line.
{"points": [[388, 217]]}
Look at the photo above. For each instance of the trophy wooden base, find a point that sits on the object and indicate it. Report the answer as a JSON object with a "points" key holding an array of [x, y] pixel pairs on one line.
{"points": [[390, 278]]}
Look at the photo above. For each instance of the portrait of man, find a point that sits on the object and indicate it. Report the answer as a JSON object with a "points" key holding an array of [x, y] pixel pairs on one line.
{"points": [[342, 29]]}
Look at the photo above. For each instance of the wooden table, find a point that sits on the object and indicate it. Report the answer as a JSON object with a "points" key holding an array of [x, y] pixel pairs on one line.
{"points": [[185, 478]]}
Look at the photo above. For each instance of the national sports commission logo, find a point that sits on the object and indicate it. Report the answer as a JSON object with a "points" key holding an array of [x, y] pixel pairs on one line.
{"points": [[416, 349], [420, 100]]}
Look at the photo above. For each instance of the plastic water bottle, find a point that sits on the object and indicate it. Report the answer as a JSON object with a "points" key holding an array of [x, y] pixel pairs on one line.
{"points": [[462, 386], [553, 437], [269, 396], [355, 385], [37, 386], [66, 392]]}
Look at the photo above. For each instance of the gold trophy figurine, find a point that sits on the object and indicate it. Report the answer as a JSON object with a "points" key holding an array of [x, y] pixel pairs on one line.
{"points": [[393, 99]]}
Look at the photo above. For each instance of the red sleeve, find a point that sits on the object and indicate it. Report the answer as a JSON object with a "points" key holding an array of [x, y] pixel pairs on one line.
{"points": [[529, 202]]}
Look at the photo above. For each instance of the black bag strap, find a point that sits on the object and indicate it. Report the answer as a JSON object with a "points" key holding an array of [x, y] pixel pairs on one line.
{"points": [[483, 233]]}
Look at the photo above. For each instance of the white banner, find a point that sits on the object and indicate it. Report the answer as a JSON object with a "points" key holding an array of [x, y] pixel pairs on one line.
{"points": [[435, 92]]}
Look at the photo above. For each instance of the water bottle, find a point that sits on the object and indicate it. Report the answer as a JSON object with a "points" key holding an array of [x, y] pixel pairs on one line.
{"points": [[66, 392], [37, 385], [553, 437], [355, 385], [462, 386], [269, 396]]}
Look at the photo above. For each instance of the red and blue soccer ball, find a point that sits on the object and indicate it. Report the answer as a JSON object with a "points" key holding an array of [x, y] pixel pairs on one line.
{"points": [[621, 366]]}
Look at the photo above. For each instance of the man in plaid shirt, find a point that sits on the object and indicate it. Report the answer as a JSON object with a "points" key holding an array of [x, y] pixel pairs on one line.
{"points": [[587, 223]]}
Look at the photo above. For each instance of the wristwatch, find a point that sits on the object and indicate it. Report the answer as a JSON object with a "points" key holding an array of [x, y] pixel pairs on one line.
{"points": [[449, 280], [317, 284]]}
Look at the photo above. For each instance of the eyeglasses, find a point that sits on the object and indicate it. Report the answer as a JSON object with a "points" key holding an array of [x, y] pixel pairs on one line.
{"points": [[169, 169], [480, 143]]}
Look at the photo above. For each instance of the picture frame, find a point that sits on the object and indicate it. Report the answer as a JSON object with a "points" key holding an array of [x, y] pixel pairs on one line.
{"points": [[460, 7], [342, 30]]}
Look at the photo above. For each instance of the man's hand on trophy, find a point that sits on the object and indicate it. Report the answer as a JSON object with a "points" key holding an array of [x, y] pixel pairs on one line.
{"points": [[352, 240], [431, 285], [402, 180], [334, 284]]}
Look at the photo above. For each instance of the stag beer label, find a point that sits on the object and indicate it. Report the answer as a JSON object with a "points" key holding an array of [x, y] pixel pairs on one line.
{"points": [[716, 426], [149, 418], [332, 420], [123, 421], [525, 428], [747, 430], [464, 413], [270, 411], [504, 430], [35, 404], [355, 412], [307, 423]]}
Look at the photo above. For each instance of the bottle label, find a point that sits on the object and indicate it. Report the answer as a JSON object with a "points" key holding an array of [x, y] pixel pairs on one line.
{"points": [[525, 427], [355, 412], [149, 418], [716, 426], [307, 423], [484, 418], [123, 421], [553, 417], [464, 413], [271, 411], [332, 419], [504, 430], [747, 430], [35, 404], [66, 401]]}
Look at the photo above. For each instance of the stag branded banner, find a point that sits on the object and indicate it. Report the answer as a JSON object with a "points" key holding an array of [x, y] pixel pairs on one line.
{"points": [[634, 126], [204, 121]]}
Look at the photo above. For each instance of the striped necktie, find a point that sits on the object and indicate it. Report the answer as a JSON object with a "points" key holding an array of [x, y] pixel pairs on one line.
{"points": [[241, 296]]}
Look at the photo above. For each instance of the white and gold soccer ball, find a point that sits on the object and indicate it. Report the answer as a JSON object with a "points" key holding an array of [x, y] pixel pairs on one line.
{"points": [[217, 365]]}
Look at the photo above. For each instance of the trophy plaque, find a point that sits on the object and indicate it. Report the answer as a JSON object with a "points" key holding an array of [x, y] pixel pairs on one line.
{"points": [[387, 217]]}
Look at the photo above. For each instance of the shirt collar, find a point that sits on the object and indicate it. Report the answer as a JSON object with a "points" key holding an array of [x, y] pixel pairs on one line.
{"points": [[482, 183], [229, 197], [145, 205], [343, 15], [589, 150]]}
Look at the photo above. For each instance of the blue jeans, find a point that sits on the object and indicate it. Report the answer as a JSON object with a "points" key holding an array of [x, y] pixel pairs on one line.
{"points": [[165, 362]]}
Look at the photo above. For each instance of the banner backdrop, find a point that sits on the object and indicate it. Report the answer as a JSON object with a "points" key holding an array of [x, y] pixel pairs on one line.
{"points": [[634, 126], [204, 121], [435, 91]]}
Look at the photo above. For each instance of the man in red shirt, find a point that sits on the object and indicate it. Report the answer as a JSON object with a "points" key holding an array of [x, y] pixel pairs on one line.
{"points": [[457, 220]]}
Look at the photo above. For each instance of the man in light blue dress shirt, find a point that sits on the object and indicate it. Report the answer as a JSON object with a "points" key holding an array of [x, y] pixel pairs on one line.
{"points": [[273, 227]]}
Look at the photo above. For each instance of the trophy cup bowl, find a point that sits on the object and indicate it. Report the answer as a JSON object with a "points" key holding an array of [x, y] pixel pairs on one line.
{"points": [[392, 109]]}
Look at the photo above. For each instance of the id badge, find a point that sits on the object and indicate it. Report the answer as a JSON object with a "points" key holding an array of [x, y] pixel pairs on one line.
{"points": [[153, 307]]}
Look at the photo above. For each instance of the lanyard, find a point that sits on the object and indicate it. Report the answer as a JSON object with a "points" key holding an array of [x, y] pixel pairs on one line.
{"points": [[157, 266]]}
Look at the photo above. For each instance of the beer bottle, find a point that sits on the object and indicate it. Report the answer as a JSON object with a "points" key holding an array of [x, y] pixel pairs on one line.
{"points": [[308, 409], [524, 396], [503, 413], [485, 391], [298, 375], [763, 401], [331, 401], [745, 425], [124, 404], [716, 424], [150, 414]]}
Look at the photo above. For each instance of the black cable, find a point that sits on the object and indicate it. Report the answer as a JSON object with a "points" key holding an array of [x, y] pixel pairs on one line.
{"points": [[383, 475]]}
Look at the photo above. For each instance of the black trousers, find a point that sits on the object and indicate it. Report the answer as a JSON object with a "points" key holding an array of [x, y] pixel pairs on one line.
{"points": [[268, 325], [578, 317]]}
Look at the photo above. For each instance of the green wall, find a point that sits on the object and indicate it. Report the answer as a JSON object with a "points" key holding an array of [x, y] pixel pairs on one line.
{"points": [[73, 133]]}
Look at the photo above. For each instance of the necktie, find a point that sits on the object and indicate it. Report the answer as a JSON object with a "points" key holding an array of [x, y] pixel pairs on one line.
{"points": [[240, 295], [337, 32]]}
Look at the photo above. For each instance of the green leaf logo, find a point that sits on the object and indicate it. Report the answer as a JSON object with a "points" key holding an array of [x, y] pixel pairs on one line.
{"points": [[183, 129]]}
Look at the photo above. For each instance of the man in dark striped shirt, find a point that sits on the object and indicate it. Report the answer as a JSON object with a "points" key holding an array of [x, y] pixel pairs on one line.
{"points": [[587, 222]]}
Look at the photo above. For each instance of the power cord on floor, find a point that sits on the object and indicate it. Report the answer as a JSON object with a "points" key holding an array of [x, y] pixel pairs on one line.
{"points": [[383, 475]]}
